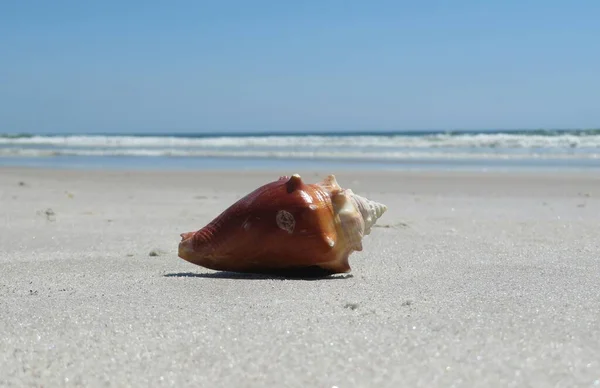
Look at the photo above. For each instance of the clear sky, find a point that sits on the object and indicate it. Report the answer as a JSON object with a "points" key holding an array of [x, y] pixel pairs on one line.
{"points": [[139, 66]]}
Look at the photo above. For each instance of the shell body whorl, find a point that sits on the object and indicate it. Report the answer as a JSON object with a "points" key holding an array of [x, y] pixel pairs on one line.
{"points": [[285, 224]]}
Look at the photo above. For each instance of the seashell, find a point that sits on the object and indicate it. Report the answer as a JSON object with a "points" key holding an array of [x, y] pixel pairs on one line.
{"points": [[285, 225]]}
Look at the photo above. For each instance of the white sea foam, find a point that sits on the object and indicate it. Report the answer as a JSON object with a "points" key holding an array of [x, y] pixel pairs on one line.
{"points": [[393, 147], [312, 154], [481, 140]]}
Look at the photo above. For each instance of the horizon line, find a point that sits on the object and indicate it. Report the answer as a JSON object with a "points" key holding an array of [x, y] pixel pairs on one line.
{"points": [[180, 133]]}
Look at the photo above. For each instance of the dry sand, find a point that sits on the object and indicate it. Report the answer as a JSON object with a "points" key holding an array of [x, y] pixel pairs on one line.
{"points": [[471, 279]]}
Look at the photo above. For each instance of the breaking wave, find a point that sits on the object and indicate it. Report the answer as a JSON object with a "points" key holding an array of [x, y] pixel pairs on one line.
{"points": [[573, 144]]}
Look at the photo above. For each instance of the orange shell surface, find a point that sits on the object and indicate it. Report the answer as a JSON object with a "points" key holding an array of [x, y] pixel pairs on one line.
{"points": [[284, 224]]}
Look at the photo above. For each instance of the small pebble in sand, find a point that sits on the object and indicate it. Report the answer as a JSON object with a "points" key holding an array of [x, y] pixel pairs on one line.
{"points": [[155, 252], [48, 213], [22, 183], [351, 306]]}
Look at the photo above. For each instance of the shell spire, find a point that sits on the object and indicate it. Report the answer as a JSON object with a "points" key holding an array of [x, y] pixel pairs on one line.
{"points": [[371, 211]]}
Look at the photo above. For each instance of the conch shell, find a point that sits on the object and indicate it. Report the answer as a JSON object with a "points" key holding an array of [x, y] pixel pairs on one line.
{"points": [[285, 225]]}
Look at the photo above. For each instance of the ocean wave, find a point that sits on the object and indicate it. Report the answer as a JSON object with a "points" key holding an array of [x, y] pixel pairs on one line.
{"points": [[308, 154], [439, 140]]}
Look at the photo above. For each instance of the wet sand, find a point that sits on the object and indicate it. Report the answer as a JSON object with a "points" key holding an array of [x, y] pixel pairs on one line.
{"points": [[470, 279]]}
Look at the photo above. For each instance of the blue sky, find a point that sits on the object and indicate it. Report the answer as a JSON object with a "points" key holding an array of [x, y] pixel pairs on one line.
{"points": [[142, 66]]}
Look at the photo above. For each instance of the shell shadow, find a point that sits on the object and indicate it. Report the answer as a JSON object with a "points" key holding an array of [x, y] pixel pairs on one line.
{"points": [[295, 274]]}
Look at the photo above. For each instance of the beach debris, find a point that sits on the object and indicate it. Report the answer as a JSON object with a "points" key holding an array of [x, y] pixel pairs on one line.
{"points": [[48, 213], [285, 225], [398, 225], [351, 306], [21, 183], [155, 252]]}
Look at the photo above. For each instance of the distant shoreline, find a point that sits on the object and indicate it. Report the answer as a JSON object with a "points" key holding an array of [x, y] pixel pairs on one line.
{"points": [[135, 163]]}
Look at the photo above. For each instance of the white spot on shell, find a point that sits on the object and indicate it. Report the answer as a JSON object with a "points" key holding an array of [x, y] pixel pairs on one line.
{"points": [[330, 241], [312, 207], [246, 225], [285, 220]]}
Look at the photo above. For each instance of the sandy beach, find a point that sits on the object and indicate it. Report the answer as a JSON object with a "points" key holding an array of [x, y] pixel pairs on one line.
{"points": [[469, 280]]}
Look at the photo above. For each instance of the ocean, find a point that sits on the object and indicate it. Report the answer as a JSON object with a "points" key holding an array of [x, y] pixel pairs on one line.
{"points": [[470, 150]]}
